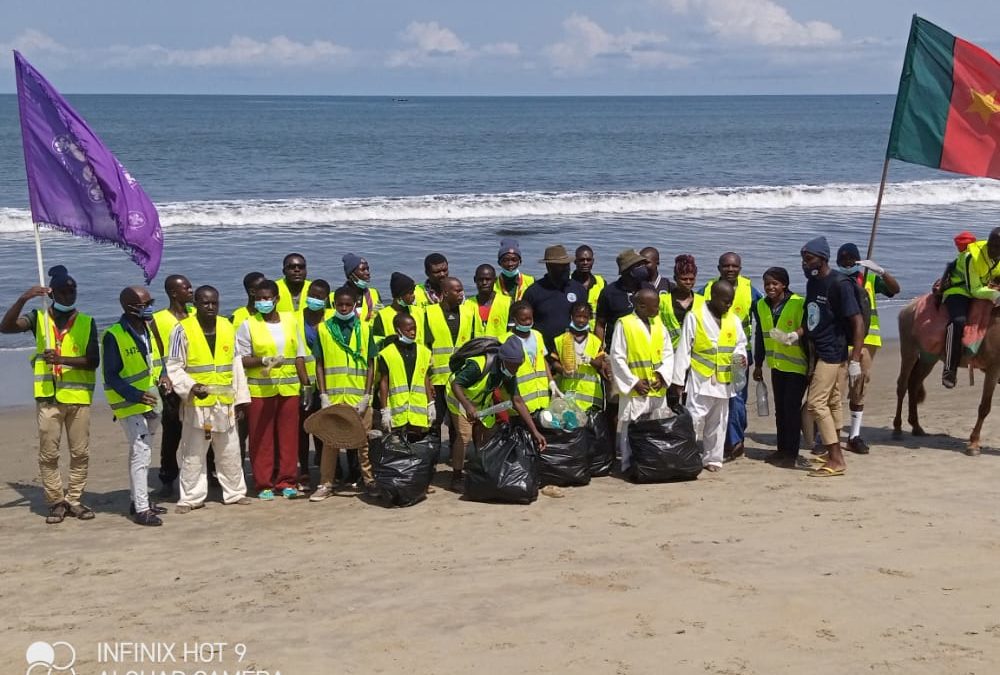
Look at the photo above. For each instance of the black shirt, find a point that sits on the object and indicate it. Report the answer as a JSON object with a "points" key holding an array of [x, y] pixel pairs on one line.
{"points": [[615, 302], [551, 302], [830, 303], [451, 317]]}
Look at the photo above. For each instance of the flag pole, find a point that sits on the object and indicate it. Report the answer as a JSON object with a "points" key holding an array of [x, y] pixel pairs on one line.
{"points": [[41, 282], [878, 208]]}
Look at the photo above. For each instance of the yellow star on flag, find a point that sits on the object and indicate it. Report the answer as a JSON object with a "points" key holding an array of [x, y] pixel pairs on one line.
{"points": [[984, 105]]}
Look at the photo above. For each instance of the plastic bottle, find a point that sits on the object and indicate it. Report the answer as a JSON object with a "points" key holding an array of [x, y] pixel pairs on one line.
{"points": [[739, 376], [494, 409], [763, 400], [158, 407]]}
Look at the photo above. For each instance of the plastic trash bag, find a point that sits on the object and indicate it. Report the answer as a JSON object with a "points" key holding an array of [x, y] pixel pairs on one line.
{"points": [[664, 449], [403, 470], [602, 444], [505, 469], [566, 459]]}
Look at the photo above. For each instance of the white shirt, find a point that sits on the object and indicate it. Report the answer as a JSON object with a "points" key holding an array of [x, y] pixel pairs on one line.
{"points": [[218, 417], [244, 345], [703, 386], [623, 379]]}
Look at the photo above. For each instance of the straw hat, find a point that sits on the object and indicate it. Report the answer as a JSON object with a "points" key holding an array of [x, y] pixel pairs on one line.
{"points": [[338, 426]]}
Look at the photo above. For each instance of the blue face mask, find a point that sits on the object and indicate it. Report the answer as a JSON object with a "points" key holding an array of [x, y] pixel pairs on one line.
{"points": [[505, 372], [59, 307], [360, 283], [579, 328], [510, 274], [315, 304], [345, 317], [146, 313], [406, 340], [853, 269], [523, 329], [264, 306]]}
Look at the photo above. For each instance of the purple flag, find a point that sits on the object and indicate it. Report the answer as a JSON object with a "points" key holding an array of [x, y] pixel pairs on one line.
{"points": [[74, 182]]}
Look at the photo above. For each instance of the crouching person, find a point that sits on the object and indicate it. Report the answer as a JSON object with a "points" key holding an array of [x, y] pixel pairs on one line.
{"points": [[208, 377]]}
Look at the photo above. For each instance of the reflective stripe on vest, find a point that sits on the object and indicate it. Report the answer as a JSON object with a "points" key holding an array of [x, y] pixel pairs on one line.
{"points": [[74, 386], [208, 367], [708, 359], [532, 380], [874, 337], [585, 382], [443, 346], [644, 349], [478, 394], [787, 359], [407, 401], [344, 378], [282, 380], [135, 371]]}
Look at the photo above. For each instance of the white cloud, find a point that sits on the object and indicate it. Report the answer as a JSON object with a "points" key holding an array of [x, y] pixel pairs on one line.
{"points": [[761, 22], [432, 44], [586, 43], [240, 51]]}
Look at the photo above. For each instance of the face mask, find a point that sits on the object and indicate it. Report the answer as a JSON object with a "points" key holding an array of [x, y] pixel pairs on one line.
{"points": [[315, 304], [510, 274], [363, 285], [562, 276], [264, 306], [579, 328], [461, 298], [403, 303], [810, 273], [146, 313], [640, 273], [406, 340], [853, 269], [523, 329], [345, 317], [59, 307], [189, 307], [505, 372]]}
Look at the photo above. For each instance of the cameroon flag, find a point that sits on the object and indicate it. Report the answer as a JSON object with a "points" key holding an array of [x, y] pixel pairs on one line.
{"points": [[948, 106]]}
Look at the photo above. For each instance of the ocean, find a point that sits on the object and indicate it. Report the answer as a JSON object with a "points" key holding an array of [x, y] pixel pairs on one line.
{"points": [[241, 181]]}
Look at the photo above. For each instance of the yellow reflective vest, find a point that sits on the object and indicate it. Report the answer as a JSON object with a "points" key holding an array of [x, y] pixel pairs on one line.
{"points": [[669, 318], [142, 372], [742, 300], [584, 382], [478, 394], [421, 297], [708, 358], [285, 303], [532, 379], [644, 350], [442, 344], [310, 358], [523, 281], [282, 380], [74, 386], [407, 398], [388, 313], [496, 323], [211, 368], [874, 337], [787, 359], [344, 376], [164, 323]]}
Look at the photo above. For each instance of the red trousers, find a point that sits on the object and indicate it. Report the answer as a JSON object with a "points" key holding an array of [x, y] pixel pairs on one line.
{"points": [[274, 434]]}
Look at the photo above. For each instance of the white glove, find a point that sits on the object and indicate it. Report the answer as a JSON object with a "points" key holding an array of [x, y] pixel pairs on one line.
{"points": [[554, 390], [386, 420], [324, 401], [362, 407], [787, 339], [853, 371], [873, 266], [431, 412], [272, 361]]}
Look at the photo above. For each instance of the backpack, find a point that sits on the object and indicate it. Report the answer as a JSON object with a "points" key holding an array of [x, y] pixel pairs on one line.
{"points": [[861, 297], [481, 346]]}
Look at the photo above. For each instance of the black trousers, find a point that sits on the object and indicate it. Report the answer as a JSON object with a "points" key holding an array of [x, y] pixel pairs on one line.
{"points": [[170, 438], [789, 389], [958, 312], [314, 405]]}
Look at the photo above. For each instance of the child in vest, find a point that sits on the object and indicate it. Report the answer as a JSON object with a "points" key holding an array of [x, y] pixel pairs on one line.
{"points": [[581, 362], [534, 380]]}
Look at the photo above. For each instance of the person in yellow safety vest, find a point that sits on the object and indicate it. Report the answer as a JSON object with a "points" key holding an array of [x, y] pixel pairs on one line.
{"points": [[132, 365], [534, 379], [316, 311], [293, 286], [405, 389], [491, 309], [449, 326], [402, 289], [875, 281], [712, 347], [744, 300], [345, 372], [512, 282], [779, 330], [642, 360], [581, 363], [429, 292], [660, 283], [207, 374], [594, 283], [471, 391], [66, 357], [675, 305], [179, 294], [975, 274], [274, 361], [242, 313], [359, 277]]}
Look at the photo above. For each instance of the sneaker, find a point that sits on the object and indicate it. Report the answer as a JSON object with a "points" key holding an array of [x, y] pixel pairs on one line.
{"points": [[303, 487], [147, 518], [266, 495], [155, 508], [858, 446], [321, 493], [290, 493]]}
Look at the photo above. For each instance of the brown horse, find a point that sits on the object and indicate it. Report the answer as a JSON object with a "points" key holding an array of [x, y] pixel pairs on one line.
{"points": [[915, 365]]}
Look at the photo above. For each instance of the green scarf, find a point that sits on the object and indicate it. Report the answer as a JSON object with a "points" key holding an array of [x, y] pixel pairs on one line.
{"points": [[338, 337]]}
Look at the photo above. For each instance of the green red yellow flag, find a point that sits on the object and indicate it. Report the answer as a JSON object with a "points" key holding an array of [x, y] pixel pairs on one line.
{"points": [[948, 106]]}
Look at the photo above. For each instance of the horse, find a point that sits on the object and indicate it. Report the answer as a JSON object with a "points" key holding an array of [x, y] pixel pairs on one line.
{"points": [[916, 364]]}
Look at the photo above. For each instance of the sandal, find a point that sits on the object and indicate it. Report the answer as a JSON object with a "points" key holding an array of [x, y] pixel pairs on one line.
{"points": [[57, 513], [80, 511], [825, 472]]}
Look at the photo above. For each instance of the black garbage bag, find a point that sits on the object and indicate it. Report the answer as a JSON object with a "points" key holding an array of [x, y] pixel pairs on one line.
{"points": [[566, 459], [602, 444], [505, 469], [403, 470], [664, 450]]}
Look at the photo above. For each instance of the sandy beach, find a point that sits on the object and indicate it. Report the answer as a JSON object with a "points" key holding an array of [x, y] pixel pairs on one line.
{"points": [[889, 569]]}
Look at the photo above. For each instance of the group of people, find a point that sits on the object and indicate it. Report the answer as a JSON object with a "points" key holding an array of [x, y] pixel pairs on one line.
{"points": [[217, 388]]}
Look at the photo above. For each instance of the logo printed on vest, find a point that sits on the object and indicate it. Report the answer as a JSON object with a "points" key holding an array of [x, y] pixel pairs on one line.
{"points": [[571, 297]]}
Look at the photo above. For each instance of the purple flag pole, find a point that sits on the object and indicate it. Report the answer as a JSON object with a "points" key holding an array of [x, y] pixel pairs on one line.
{"points": [[75, 183]]}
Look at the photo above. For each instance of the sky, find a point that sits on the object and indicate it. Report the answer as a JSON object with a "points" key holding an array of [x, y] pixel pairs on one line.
{"points": [[469, 47]]}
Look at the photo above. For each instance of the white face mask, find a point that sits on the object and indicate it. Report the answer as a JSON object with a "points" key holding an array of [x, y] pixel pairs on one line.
{"points": [[406, 340]]}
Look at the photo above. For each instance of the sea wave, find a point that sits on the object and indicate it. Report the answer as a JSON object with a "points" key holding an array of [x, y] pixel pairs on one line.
{"points": [[517, 205]]}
